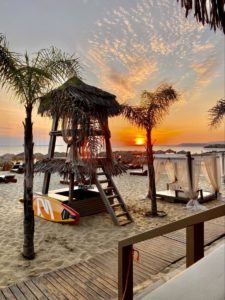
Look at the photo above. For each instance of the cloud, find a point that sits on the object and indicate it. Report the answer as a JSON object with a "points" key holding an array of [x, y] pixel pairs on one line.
{"points": [[200, 48], [205, 70]]}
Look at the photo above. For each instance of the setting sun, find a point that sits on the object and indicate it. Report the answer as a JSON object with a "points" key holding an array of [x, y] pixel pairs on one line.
{"points": [[139, 141]]}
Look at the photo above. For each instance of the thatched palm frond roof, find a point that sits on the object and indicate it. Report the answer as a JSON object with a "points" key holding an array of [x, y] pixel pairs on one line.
{"points": [[64, 167], [207, 12], [74, 94]]}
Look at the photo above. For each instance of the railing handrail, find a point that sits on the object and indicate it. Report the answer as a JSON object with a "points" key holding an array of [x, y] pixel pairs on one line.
{"points": [[194, 245], [204, 216]]}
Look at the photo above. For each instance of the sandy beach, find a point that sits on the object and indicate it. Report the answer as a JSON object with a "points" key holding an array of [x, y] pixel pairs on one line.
{"points": [[58, 245]]}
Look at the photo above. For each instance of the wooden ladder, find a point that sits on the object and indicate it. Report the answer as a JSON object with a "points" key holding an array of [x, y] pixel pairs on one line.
{"points": [[112, 199]]}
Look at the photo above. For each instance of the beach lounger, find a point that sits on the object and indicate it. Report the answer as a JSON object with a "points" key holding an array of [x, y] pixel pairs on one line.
{"points": [[7, 178]]}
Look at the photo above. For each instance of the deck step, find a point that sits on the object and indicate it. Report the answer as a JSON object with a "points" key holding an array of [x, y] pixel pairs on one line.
{"points": [[104, 181], [126, 222], [116, 204], [121, 214], [112, 197], [100, 173]]}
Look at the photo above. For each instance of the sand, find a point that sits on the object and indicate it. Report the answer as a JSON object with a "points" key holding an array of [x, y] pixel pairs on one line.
{"points": [[58, 245]]}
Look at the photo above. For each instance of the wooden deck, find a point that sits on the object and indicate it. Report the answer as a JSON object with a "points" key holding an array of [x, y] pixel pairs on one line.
{"points": [[96, 278]]}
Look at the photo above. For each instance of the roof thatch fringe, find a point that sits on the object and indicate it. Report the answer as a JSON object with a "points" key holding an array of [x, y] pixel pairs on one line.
{"points": [[75, 96], [80, 168], [210, 12]]}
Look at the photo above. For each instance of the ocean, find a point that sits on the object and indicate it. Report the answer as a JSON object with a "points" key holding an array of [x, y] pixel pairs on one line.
{"points": [[61, 148]]}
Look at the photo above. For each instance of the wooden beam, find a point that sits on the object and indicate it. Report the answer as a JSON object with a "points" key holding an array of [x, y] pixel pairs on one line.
{"points": [[51, 150], [204, 216], [125, 273], [194, 243]]}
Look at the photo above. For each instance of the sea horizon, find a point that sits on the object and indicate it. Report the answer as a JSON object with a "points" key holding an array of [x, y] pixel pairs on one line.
{"points": [[43, 149]]}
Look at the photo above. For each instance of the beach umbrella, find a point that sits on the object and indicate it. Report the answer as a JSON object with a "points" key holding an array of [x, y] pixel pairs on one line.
{"points": [[170, 151]]}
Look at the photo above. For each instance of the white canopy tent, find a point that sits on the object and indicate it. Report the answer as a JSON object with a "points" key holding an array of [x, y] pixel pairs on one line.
{"points": [[183, 172]]}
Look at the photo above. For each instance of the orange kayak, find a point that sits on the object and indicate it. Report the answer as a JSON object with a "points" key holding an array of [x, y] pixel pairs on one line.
{"points": [[53, 210]]}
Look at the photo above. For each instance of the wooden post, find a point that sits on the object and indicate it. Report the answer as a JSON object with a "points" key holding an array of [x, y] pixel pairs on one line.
{"points": [[51, 150], [194, 243], [189, 162], [71, 187], [125, 273]]}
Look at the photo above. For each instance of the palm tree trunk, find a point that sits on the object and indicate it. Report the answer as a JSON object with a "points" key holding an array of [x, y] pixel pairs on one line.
{"points": [[151, 172], [28, 246]]}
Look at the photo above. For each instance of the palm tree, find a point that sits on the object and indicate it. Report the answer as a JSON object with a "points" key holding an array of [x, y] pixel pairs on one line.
{"points": [[210, 12], [217, 113], [30, 78], [152, 108]]}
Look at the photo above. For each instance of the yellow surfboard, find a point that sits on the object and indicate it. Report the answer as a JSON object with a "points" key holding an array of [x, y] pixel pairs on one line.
{"points": [[53, 210]]}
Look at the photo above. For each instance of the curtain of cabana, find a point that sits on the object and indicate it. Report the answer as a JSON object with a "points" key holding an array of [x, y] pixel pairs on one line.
{"points": [[193, 203], [212, 172], [170, 167], [158, 167], [189, 182]]}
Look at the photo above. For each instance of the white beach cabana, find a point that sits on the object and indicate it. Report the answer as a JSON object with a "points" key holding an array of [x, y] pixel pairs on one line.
{"points": [[183, 172]]}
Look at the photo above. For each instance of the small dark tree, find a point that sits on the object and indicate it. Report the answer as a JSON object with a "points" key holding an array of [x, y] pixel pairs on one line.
{"points": [[153, 106], [30, 78], [217, 113]]}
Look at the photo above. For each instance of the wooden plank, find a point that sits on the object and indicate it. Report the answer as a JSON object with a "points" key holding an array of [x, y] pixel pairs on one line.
{"points": [[17, 292], [47, 288], [80, 283], [59, 285], [67, 287], [77, 285], [35, 290], [8, 294], [90, 279], [102, 281], [101, 272], [26, 291], [2, 297]]}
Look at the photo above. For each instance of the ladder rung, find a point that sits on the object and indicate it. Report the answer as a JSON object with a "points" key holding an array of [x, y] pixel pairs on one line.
{"points": [[112, 196], [100, 173], [121, 214], [109, 188], [103, 181], [116, 204], [123, 223]]}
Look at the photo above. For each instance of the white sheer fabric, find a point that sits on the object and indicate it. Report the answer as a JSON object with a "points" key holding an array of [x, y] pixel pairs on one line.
{"points": [[158, 167], [193, 203], [212, 172], [170, 170]]}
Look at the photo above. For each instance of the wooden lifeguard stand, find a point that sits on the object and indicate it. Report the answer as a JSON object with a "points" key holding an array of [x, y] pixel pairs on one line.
{"points": [[83, 112]]}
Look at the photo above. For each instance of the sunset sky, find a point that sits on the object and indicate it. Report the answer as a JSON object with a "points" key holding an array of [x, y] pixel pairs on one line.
{"points": [[124, 47]]}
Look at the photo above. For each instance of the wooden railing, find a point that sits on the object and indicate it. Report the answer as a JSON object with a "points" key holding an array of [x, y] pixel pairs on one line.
{"points": [[194, 246]]}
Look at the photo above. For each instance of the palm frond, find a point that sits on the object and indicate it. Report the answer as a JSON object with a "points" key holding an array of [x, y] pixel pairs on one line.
{"points": [[10, 63], [59, 64], [217, 113], [210, 12]]}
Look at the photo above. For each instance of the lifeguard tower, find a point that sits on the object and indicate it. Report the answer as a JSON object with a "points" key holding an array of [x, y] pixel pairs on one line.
{"points": [[80, 115]]}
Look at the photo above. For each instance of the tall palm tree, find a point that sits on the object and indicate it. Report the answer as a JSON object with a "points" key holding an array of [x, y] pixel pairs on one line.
{"points": [[30, 78], [153, 106], [210, 12], [217, 113]]}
